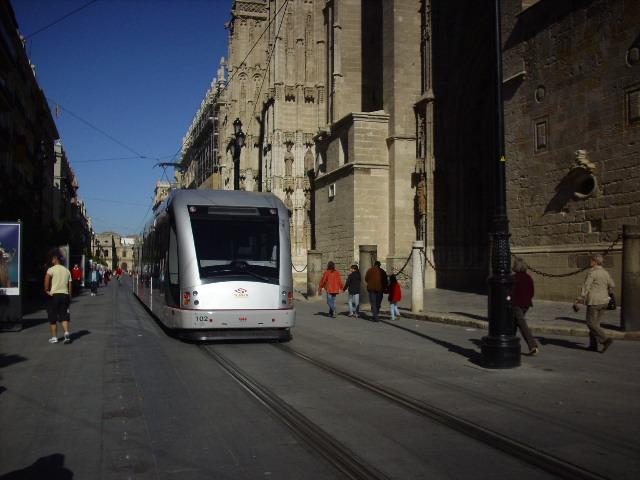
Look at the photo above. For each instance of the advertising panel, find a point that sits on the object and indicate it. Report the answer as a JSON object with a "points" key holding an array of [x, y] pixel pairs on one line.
{"points": [[10, 258]]}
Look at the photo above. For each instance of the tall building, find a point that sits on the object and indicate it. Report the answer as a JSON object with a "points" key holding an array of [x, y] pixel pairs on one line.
{"points": [[376, 123], [115, 250], [37, 183], [275, 87]]}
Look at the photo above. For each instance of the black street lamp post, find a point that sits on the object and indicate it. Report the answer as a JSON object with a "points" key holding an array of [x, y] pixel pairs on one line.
{"points": [[238, 143], [501, 348]]}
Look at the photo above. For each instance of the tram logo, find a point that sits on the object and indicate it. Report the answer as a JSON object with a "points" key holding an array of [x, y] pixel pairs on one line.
{"points": [[240, 293]]}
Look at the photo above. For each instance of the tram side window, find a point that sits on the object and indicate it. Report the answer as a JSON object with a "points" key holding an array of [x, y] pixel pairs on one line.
{"points": [[174, 281]]}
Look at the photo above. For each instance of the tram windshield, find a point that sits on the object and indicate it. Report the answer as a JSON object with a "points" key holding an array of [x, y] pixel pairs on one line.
{"points": [[230, 247]]}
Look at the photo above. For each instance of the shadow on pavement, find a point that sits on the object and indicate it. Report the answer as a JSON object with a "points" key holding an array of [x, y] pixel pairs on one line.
{"points": [[561, 343], [10, 359], [50, 467], [33, 322], [608, 326], [472, 355], [79, 334]]}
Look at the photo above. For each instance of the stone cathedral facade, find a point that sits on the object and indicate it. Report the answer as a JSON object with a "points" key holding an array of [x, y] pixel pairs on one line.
{"points": [[375, 122], [275, 86]]}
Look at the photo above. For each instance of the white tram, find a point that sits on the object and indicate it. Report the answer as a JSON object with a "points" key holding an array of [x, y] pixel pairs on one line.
{"points": [[216, 264]]}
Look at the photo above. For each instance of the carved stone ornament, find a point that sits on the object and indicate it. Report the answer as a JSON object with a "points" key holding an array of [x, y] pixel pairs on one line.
{"points": [[582, 177], [290, 93], [583, 161], [288, 161], [309, 94], [309, 160]]}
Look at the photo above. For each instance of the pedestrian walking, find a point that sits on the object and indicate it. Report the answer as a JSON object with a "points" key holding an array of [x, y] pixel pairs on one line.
{"points": [[353, 285], [376, 280], [57, 284], [395, 295], [521, 300], [332, 283], [595, 295], [76, 277], [94, 279]]}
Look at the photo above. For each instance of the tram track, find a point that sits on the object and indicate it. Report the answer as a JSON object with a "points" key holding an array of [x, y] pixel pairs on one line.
{"points": [[514, 448], [348, 462], [337, 454]]}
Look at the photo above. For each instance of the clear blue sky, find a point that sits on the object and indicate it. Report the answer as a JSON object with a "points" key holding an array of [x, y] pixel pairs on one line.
{"points": [[135, 69]]}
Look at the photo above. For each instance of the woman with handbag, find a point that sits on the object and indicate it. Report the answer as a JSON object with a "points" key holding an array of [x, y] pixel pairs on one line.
{"points": [[596, 296]]}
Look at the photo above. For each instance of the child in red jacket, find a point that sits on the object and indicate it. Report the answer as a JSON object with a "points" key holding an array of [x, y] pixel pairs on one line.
{"points": [[395, 295]]}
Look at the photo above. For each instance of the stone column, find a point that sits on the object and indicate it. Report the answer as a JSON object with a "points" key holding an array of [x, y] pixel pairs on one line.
{"points": [[630, 319], [368, 256], [314, 272], [417, 279]]}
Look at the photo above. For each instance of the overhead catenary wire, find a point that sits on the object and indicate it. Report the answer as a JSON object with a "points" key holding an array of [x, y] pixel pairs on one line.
{"points": [[275, 44], [100, 131], [255, 44], [55, 22], [113, 159]]}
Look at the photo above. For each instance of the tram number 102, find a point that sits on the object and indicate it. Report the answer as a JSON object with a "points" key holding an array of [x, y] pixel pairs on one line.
{"points": [[202, 318]]}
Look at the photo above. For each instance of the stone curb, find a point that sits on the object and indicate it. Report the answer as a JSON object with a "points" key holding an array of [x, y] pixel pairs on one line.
{"points": [[550, 329], [483, 324]]}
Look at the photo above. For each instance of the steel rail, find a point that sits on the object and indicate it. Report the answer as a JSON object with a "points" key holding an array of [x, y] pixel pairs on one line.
{"points": [[512, 447], [346, 461]]}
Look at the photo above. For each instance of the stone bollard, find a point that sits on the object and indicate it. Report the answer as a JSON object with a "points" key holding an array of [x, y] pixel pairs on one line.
{"points": [[630, 314], [368, 256], [417, 279], [314, 272]]}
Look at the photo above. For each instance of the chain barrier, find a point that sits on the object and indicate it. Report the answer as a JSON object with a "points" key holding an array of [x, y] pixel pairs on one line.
{"points": [[569, 274], [401, 271], [424, 259]]}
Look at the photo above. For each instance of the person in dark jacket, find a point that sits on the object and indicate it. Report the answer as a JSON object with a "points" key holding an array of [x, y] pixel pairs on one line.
{"points": [[353, 285], [521, 296]]}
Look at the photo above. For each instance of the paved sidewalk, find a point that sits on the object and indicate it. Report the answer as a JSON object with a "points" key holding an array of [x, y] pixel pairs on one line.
{"points": [[470, 310]]}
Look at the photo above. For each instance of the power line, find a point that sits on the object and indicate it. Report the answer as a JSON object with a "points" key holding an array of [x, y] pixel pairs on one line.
{"points": [[275, 44], [102, 132], [112, 159], [60, 19], [255, 44]]}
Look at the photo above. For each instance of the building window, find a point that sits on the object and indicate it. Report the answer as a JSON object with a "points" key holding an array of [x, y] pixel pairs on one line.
{"points": [[541, 135]]}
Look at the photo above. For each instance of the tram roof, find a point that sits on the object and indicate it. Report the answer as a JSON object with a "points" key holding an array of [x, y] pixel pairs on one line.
{"points": [[238, 198]]}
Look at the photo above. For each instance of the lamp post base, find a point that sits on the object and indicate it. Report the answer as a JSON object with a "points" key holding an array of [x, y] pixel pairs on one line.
{"points": [[501, 351]]}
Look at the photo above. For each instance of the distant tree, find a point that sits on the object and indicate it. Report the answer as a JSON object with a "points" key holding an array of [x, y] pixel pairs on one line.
{"points": [[114, 255]]}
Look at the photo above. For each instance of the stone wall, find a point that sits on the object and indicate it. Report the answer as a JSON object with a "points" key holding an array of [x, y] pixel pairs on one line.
{"points": [[572, 84], [357, 214]]}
